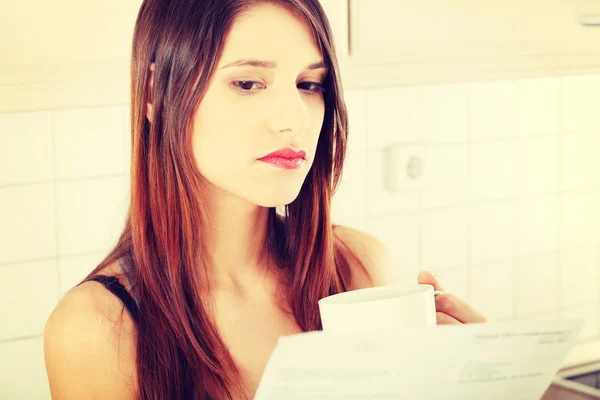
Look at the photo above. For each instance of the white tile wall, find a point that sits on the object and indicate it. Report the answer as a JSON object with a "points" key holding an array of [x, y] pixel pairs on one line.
{"points": [[63, 192], [538, 106], [446, 176], [492, 170], [492, 232], [493, 109], [579, 278], [507, 210], [579, 219], [26, 154], [580, 161], [536, 226], [33, 286], [535, 284], [401, 236], [444, 239], [536, 166], [28, 222], [446, 113], [23, 374], [580, 97], [91, 214], [88, 142], [492, 289]]}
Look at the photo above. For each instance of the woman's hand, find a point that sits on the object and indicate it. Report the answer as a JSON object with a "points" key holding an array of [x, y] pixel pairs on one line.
{"points": [[450, 309]]}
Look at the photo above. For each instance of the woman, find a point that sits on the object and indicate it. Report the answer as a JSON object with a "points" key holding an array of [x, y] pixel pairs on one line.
{"points": [[237, 112]]}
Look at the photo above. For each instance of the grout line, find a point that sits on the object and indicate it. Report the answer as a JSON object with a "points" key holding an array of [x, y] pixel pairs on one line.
{"points": [[42, 259], [21, 338], [469, 196], [64, 180], [514, 202], [560, 195], [55, 188]]}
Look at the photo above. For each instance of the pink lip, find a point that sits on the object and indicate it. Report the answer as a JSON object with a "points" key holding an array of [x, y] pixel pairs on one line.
{"points": [[285, 158]]}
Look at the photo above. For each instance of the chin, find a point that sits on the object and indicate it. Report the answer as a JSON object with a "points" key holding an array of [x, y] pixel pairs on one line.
{"points": [[278, 200]]}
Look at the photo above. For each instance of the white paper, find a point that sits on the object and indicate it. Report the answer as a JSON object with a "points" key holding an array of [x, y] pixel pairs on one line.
{"points": [[513, 360]]}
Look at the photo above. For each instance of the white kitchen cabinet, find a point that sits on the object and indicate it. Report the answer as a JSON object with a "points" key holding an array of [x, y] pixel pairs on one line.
{"points": [[64, 54], [408, 41]]}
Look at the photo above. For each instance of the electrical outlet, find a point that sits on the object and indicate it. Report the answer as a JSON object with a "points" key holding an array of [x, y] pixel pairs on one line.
{"points": [[404, 167]]}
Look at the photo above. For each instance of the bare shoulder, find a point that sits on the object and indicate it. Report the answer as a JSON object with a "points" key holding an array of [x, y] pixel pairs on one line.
{"points": [[89, 346], [373, 255]]}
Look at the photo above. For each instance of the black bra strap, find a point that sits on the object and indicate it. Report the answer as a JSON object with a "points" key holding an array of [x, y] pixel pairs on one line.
{"points": [[113, 284]]}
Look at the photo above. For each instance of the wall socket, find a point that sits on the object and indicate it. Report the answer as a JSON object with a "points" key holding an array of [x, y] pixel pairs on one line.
{"points": [[404, 167]]}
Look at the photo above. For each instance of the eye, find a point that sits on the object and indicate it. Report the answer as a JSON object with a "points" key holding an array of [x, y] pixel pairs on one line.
{"points": [[245, 87], [315, 87]]}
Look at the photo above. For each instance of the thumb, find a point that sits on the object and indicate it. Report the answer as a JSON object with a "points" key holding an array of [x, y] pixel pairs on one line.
{"points": [[429, 278]]}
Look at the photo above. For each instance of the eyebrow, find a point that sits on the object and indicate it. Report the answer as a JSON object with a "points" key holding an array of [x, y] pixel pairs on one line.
{"points": [[267, 64]]}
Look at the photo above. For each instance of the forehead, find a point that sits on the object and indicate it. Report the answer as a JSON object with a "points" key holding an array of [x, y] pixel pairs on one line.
{"points": [[271, 32]]}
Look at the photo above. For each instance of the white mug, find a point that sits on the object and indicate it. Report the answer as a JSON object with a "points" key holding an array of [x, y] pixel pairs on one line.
{"points": [[392, 307]]}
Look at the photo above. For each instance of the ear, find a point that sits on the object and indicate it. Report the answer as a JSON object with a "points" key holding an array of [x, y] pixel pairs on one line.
{"points": [[149, 109]]}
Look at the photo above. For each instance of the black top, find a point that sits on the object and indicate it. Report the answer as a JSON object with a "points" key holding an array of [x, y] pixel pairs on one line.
{"points": [[113, 284]]}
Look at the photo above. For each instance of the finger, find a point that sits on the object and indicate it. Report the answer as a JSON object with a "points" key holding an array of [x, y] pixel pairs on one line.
{"points": [[445, 319], [458, 308], [429, 278]]}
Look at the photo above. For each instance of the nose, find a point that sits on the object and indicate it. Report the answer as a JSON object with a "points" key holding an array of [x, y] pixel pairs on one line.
{"points": [[290, 113]]}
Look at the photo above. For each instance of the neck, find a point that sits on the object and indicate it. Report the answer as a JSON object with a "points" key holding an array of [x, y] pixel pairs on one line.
{"points": [[235, 239]]}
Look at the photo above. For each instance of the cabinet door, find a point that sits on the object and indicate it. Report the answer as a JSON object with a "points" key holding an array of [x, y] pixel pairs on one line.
{"points": [[483, 37], [67, 53], [337, 14]]}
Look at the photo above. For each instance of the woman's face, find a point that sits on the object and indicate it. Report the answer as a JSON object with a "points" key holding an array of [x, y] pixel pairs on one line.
{"points": [[265, 96]]}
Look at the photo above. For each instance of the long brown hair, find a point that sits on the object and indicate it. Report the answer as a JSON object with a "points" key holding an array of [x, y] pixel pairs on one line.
{"points": [[180, 354]]}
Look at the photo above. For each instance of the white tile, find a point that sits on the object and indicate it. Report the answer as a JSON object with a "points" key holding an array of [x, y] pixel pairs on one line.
{"points": [[350, 199], [580, 165], [357, 125], [492, 171], [444, 239], [28, 294], [446, 113], [26, 153], [454, 280], [579, 277], [535, 281], [74, 269], [492, 233], [538, 106], [492, 110], [492, 290], [536, 226], [23, 371], [88, 142], [588, 313], [394, 115], [380, 200], [579, 219], [445, 176], [91, 215], [27, 230], [400, 235], [359, 224], [581, 96], [536, 166]]}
